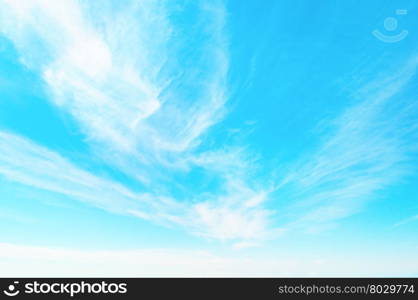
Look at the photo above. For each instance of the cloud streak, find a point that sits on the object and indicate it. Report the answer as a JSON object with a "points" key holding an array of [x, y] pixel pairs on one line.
{"points": [[369, 147], [24, 162], [120, 72], [145, 100]]}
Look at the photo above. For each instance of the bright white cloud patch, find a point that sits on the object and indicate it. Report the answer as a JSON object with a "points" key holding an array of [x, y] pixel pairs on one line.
{"points": [[119, 73]]}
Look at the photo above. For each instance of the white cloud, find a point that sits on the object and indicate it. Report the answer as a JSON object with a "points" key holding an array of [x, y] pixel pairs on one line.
{"points": [[225, 217], [244, 245], [25, 162], [369, 148], [120, 72], [121, 79], [228, 223]]}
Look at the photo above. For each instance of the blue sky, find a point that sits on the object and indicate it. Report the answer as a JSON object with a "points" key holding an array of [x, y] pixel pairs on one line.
{"points": [[208, 138]]}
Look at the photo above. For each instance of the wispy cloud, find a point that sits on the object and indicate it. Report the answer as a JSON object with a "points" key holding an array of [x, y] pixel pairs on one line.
{"points": [[367, 148], [25, 162], [236, 215], [407, 220], [120, 71], [145, 99]]}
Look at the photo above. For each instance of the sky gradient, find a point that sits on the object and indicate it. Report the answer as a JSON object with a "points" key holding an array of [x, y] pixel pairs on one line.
{"points": [[208, 138]]}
